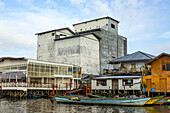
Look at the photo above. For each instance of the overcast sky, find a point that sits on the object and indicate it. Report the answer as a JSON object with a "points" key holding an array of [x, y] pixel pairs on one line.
{"points": [[145, 23]]}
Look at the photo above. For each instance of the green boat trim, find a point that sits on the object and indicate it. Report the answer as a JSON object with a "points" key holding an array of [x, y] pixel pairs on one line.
{"points": [[157, 97]]}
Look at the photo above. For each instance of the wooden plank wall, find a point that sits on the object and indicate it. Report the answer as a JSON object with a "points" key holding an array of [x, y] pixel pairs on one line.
{"points": [[160, 80]]}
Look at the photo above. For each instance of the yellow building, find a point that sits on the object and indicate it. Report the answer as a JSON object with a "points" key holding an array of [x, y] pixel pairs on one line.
{"points": [[159, 80]]}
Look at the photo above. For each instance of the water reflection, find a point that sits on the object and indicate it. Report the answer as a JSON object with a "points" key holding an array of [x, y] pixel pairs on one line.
{"points": [[13, 105]]}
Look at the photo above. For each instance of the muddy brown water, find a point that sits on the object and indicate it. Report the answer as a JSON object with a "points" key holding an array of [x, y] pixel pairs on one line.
{"points": [[42, 105]]}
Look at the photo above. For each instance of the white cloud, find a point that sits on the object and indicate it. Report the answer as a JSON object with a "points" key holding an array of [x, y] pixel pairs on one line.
{"points": [[18, 33], [165, 35]]}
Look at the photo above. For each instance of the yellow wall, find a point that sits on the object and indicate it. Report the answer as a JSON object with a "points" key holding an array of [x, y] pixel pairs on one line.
{"points": [[157, 85], [159, 77]]}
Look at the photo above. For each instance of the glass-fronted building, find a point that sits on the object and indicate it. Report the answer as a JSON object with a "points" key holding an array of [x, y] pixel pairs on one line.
{"points": [[33, 71]]}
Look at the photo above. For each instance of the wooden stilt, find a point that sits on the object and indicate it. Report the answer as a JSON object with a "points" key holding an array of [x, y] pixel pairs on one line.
{"points": [[70, 86], [66, 87], [56, 89], [86, 89], [53, 89]]}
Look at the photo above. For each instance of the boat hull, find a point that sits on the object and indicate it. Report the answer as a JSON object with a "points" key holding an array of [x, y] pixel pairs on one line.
{"points": [[119, 102], [161, 101], [153, 100], [167, 102]]}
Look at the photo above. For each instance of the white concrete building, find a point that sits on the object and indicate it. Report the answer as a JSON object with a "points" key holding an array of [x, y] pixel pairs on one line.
{"points": [[116, 83], [91, 47]]}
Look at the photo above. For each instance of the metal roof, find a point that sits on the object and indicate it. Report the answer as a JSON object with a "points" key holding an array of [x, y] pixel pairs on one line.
{"points": [[137, 56], [117, 77]]}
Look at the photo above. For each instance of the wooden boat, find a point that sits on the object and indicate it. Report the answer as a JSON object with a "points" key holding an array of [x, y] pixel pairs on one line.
{"points": [[103, 101], [167, 102], [152, 100], [161, 101], [33, 96], [95, 96]]}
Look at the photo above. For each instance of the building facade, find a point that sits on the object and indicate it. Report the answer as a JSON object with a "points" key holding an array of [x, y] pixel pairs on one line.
{"points": [[116, 83], [135, 62], [91, 46], [159, 80], [33, 71]]}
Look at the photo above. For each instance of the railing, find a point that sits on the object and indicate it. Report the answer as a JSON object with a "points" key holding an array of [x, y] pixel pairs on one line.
{"points": [[12, 85]]}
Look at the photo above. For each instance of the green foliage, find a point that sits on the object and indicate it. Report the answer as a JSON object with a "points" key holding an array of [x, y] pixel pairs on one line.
{"points": [[143, 85]]}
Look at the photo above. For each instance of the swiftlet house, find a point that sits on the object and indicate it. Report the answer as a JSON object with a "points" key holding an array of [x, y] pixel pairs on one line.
{"points": [[93, 44]]}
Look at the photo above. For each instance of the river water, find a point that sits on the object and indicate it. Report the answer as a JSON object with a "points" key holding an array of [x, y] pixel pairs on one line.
{"points": [[43, 105]]}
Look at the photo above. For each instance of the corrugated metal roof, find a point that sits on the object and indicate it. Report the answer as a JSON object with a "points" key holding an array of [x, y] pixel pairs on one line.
{"points": [[117, 77], [137, 56]]}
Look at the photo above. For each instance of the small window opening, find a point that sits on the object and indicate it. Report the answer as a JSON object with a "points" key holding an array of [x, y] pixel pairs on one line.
{"points": [[101, 83], [52, 34], [128, 82], [63, 35], [163, 67], [113, 26], [57, 36], [168, 67]]}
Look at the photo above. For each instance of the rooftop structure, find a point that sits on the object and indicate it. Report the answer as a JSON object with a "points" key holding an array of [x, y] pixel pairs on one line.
{"points": [[137, 56]]}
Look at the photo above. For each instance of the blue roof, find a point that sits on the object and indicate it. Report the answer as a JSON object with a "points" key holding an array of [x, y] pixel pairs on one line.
{"points": [[117, 77], [137, 56]]}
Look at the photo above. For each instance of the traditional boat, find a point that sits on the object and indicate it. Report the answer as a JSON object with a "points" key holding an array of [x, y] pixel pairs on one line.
{"points": [[167, 102], [33, 96], [161, 101], [152, 100], [103, 101]]}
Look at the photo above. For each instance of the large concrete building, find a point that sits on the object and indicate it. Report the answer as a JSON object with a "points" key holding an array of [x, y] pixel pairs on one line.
{"points": [[93, 44]]}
